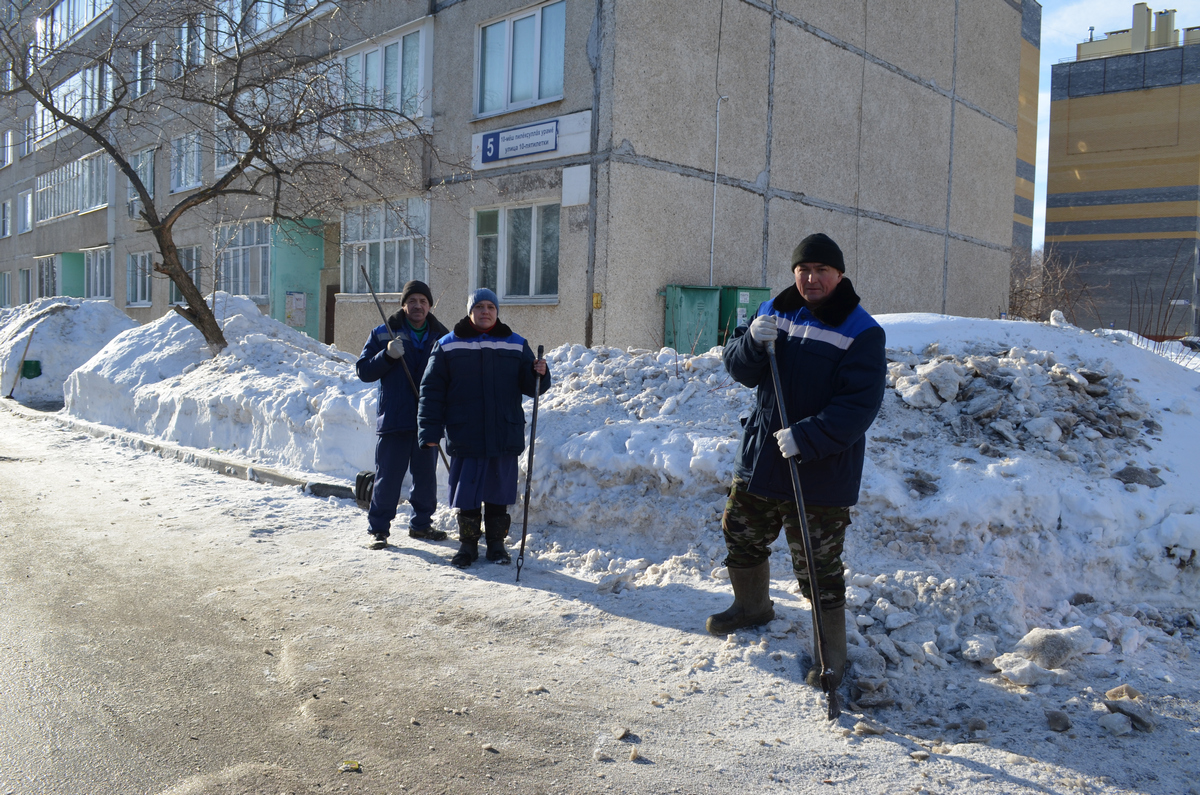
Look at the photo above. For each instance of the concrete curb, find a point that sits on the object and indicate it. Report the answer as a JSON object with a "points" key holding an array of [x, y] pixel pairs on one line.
{"points": [[188, 455]]}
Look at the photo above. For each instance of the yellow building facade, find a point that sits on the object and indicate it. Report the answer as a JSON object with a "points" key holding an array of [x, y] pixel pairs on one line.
{"points": [[1027, 116], [1123, 188]]}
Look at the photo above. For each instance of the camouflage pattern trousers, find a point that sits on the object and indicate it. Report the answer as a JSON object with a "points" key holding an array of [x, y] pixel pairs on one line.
{"points": [[751, 524]]}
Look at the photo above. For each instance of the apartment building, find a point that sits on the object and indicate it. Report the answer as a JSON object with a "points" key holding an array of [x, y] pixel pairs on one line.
{"points": [[1123, 189], [586, 155]]}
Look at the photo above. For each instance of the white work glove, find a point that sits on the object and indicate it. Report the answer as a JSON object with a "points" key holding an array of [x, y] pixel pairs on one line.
{"points": [[763, 330], [395, 349], [787, 443]]}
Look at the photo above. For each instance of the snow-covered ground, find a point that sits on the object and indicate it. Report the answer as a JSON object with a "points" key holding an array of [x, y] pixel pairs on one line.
{"points": [[1020, 476]]}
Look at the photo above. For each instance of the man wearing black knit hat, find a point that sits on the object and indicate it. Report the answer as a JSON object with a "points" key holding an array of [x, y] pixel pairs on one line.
{"points": [[409, 334], [832, 369]]}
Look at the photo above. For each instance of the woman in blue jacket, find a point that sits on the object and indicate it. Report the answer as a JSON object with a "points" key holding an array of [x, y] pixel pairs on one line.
{"points": [[471, 394]]}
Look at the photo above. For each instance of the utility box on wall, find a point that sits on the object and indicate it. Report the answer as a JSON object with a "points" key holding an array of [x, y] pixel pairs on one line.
{"points": [[690, 321], [738, 305]]}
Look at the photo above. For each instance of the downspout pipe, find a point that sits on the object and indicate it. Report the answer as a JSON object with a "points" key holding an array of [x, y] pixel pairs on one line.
{"points": [[712, 239]]}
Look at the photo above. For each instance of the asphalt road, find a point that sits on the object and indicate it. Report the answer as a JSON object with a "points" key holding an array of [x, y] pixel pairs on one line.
{"points": [[160, 634]]}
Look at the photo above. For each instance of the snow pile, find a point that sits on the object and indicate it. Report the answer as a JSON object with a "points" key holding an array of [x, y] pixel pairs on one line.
{"points": [[1019, 474], [60, 334], [1014, 467], [274, 395], [638, 442]]}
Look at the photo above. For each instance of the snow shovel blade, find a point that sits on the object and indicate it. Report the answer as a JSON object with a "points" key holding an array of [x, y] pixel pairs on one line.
{"points": [[835, 706]]}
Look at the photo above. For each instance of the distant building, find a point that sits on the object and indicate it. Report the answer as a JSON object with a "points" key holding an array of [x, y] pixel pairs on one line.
{"points": [[591, 130], [1027, 103], [1123, 190]]}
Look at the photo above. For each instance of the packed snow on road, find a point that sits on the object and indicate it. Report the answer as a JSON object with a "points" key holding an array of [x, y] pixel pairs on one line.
{"points": [[1023, 583]]}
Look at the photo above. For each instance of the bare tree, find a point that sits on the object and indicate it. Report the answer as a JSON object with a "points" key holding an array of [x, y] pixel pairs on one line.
{"points": [[1042, 282], [295, 131]]}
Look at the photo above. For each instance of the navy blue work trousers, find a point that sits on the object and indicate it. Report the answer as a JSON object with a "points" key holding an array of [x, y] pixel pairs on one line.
{"points": [[395, 453]]}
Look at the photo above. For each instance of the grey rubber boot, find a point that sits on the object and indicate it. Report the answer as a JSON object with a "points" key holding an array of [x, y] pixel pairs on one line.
{"points": [[752, 603], [834, 621], [468, 537], [495, 530]]}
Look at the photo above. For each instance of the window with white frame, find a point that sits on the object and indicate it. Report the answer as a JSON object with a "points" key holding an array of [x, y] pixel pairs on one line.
{"points": [[65, 19], [6, 218], [25, 285], [244, 259], [24, 211], [388, 239], [388, 76], [516, 251], [98, 273], [47, 275], [246, 18], [521, 59], [93, 181], [189, 258], [5, 285], [58, 192], [6, 147], [231, 144], [139, 270], [141, 77], [143, 165], [7, 78], [83, 94], [185, 162], [189, 45], [29, 134]]}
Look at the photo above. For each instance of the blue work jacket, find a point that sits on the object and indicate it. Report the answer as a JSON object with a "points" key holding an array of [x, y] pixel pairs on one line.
{"points": [[472, 392], [397, 409], [833, 369]]}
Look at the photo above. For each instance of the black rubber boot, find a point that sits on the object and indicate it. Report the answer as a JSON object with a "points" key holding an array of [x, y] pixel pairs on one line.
{"points": [[752, 603], [468, 537], [834, 621], [495, 528], [428, 534]]}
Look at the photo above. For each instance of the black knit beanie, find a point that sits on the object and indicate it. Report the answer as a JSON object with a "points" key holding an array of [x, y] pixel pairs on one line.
{"points": [[819, 248], [416, 288]]}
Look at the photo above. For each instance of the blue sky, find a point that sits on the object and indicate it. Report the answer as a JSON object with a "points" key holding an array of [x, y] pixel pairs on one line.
{"points": [[1064, 24]]}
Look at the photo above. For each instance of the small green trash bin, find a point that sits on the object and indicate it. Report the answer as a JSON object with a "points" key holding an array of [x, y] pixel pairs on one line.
{"points": [[32, 368], [690, 321], [737, 305]]}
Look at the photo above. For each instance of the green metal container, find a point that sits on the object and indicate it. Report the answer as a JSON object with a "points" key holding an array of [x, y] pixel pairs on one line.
{"points": [[738, 305], [690, 322], [32, 368]]}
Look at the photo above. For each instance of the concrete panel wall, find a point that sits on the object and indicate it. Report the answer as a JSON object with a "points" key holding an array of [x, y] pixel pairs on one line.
{"points": [[915, 35], [830, 139], [905, 148], [664, 247], [816, 131], [899, 269], [980, 200], [844, 19], [976, 280], [653, 51], [988, 70]]}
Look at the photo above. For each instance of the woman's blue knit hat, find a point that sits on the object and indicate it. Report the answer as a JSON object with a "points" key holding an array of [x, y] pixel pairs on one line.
{"points": [[482, 294]]}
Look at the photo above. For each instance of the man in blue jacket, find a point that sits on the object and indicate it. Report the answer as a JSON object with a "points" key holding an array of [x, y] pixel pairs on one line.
{"points": [[832, 368], [472, 394], [396, 451]]}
